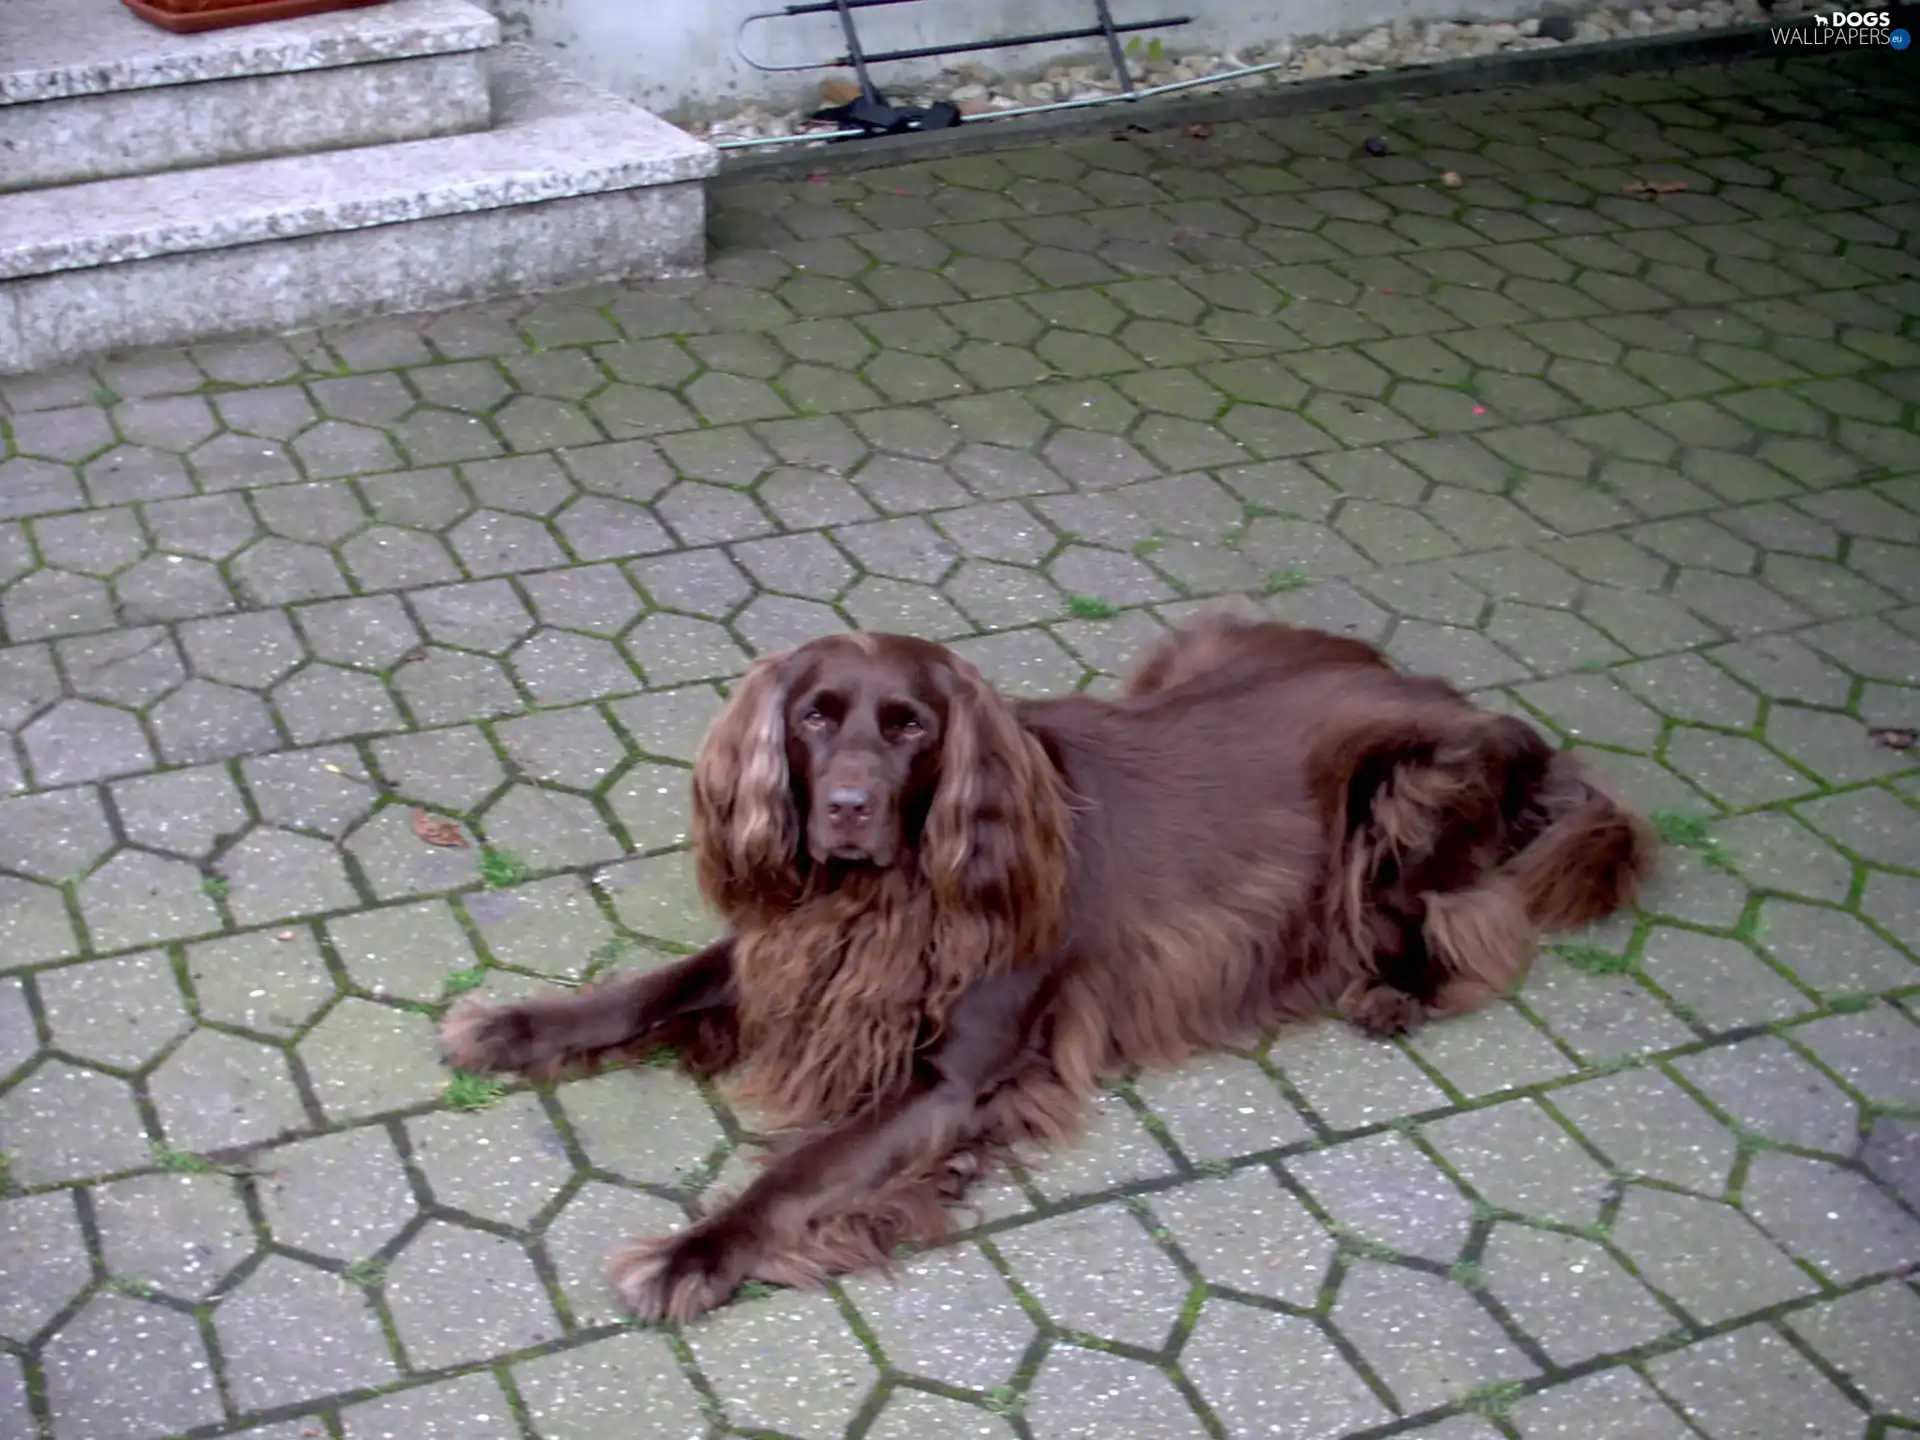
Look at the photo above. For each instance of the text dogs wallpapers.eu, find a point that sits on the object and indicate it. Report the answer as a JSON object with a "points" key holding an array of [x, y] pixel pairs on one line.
{"points": [[952, 916]]}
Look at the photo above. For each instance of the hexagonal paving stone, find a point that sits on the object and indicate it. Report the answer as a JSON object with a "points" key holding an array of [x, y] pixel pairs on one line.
{"points": [[1721, 982], [1081, 1393], [948, 1316], [505, 1164], [53, 836], [43, 1259], [119, 1012], [598, 1220], [589, 1390], [343, 1195], [454, 768], [659, 897], [1864, 1336], [1768, 1088], [1222, 1106], [396, 864], [912, 1414], [34, 924], [1707, 1257], [218, 1091], [1647, 1125], [548, 829], [1114, 1147], [1755, 1381], [403, 951], [1097, 1272], [137, 898], [1608, 1404], [1570, 1295], [95, 1385], [187, 812], [179, 1233], [460, 1295], [275, 875], [469, 1408], [271, 981], [342, 1347], [1830, 951], [606, 1113], [1246, 1232], [445, 686], [1877, 1052], [1351, 1081], [325, 789], [80, 740], [1492, 1049], [366, 1058], [1275, 1374], [787, 1362], [1834, 1219], [1382, 1190], [1425, 1337]]}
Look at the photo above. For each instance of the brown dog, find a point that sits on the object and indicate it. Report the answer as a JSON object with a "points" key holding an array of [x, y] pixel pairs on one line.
{"points": [[951, 917]]}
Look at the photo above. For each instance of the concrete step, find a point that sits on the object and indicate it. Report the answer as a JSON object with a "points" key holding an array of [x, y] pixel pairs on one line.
{"points": [[572, 186], [89, 92]]}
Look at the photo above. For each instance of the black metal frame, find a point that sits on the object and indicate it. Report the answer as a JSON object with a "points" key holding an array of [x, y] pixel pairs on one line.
{"points": [[872, 113]]}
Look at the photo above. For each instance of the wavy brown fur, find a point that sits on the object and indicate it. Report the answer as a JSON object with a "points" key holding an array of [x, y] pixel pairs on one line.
{"points": [[1029, 899]]}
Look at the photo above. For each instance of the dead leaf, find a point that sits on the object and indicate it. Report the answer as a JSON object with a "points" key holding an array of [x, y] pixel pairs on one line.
{"points": [[1895, 737], [839, 92], [1650, 189], [436, 831], [414, 657], [1199, 131], [284, 935]]}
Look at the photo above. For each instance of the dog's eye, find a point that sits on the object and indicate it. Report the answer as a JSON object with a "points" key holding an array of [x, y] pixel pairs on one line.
{"points": [[912, 729], [814, 720]]}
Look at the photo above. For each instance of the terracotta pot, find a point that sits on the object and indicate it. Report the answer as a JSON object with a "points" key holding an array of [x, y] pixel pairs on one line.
{"points": [[185, 17]]}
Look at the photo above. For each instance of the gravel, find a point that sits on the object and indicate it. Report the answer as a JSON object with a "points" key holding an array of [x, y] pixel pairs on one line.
{"points": [[976, 89]]}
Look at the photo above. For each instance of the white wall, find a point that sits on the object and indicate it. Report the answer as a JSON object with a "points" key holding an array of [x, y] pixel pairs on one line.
{"points": [[677, 57]]}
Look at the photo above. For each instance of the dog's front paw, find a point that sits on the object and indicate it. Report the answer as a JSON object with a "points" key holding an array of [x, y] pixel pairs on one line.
{"points": [[679, 1277], [1382, 1011], [487, 1039]]}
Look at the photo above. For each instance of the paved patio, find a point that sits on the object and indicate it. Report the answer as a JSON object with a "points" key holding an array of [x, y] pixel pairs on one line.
{"points": [[1643, 469]]}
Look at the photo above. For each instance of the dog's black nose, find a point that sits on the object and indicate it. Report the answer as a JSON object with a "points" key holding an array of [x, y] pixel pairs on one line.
{"points": [[848, 806]]}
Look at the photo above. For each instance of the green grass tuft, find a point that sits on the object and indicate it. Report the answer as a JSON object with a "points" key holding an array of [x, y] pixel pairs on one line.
{"points": [[1693, 831], [461, 981], [1494, 1401], [466, 1091], [215, 887], [501, 868], [1146, 547], [1851, 1004], [180, 1162], [1468, 1274], [365, 1273], [1088, 607], [1592, 959], [1280, 581]]}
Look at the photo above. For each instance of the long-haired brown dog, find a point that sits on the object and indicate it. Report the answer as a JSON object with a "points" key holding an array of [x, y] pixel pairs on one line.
{"points": [[951, 917]]}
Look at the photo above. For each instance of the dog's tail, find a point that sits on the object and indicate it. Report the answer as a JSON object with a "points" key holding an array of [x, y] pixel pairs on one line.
{"points": [[1589, 855]]}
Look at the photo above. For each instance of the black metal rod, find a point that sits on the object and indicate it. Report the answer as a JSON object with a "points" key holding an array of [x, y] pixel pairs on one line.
{"points": [[854, 55], [1113, 46], [927, 51], [827, 7]]}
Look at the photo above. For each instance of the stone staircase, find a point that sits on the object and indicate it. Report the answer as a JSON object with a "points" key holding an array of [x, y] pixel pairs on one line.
{"points": [[158, 189]]}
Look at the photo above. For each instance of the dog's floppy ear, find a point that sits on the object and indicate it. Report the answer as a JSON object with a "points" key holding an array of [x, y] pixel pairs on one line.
{"points": [[996, 838], [746, 830]]}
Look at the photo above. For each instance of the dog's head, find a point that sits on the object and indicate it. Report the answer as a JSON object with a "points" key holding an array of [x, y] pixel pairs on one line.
{"points": [[868, 751]]}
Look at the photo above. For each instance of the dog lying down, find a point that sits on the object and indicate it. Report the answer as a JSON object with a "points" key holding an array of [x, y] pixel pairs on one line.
{"points": [[952, 916]]}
